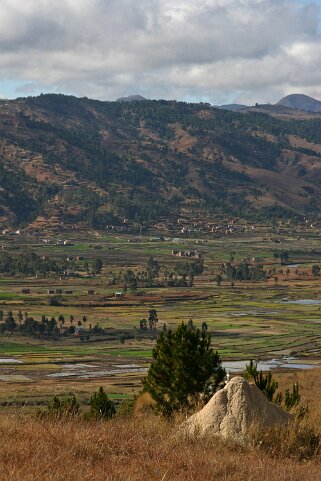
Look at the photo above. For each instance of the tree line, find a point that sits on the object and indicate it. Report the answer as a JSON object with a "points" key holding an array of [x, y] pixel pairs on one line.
{"points": [[182, 275]]}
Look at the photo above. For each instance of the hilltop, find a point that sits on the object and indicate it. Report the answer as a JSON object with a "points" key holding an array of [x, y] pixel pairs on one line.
{"points": [[131, 98], [301, 102], [76, 161]]}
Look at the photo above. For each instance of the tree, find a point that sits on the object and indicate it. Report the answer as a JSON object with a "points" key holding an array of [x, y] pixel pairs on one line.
{"points": [[152, 319], [143, 324], [218, 279], [101, 407], [204, 326], [185, 367], [152, 268], [97, 266], [265, 383], [190, 324], [20, 317], [315, 271], [284, 256], [10, 322], [130, 280]]}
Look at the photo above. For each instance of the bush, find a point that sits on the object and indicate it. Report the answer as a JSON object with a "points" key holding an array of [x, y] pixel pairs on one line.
{"points": [[266, 383], [127, 407], [101, 407], [59, 408]]}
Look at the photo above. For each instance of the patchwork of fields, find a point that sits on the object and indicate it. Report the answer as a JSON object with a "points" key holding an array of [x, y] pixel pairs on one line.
{"points": [[277, 317]]}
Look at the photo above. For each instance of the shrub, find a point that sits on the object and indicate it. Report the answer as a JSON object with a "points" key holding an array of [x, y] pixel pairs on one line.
{"points": [[127, 407], [59, 408], [269, 386], [101, 407]]}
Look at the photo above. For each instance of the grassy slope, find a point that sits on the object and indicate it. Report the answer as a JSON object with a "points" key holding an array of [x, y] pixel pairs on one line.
{"points": [[135, 449]]}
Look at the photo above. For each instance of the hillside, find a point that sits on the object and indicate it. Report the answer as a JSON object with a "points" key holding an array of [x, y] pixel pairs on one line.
{"points": [[69, 161], [301, 102], [145, 446]]}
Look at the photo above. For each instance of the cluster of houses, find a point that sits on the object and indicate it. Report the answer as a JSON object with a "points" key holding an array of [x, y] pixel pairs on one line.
{"points": [[11, 231], [59, 242], [188, 253], [118, 228], [57, 291], [186, 227], [89, 292]]}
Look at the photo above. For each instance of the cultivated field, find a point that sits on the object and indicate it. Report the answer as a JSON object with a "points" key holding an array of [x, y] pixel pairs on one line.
{"points": [[266, 319]]}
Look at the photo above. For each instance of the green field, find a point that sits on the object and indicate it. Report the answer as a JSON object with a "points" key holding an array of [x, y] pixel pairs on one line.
{"points": [[250, 319]]}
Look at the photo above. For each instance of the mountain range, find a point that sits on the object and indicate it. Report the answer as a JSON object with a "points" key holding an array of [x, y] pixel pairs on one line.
{"points": [[300, 102], [67, 161]]}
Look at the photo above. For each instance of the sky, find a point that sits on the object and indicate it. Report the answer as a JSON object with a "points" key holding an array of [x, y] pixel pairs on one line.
{"points": [[216, 51]]}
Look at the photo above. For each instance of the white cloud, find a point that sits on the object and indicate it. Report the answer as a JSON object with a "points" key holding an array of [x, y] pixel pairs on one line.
{"points": [[255, 50]]}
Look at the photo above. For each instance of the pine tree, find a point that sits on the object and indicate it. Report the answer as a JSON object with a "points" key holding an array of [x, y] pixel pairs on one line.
{"points": [[101, 407], [185, 368]]}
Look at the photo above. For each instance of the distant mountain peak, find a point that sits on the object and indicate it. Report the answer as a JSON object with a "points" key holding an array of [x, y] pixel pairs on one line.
{"points": [[131, 98], [301, 102]]}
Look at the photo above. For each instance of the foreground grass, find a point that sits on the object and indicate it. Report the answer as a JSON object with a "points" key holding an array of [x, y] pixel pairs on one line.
{"points": [[135, 449]]}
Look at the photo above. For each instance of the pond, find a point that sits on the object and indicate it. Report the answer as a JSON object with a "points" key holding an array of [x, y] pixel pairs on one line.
{"points": [[85, 371], [302, 302], [9, 360], [283, 363]]}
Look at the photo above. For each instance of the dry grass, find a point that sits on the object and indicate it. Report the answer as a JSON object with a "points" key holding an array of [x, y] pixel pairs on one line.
{"points": [[310, 391], [137, 449], [146, 448]]}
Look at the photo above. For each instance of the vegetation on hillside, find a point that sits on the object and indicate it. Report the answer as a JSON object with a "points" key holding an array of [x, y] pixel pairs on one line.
{"points": [[105, 161]]}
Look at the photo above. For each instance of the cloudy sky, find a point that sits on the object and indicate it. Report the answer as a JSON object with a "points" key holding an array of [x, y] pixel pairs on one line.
{"points": [[218, 51]]}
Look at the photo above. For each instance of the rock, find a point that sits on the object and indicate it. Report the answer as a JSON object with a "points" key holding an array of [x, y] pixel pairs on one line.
{"points": [[233, 409]]}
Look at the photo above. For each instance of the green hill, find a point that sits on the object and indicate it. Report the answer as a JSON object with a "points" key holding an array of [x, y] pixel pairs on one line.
{"points": [[66, 160]]}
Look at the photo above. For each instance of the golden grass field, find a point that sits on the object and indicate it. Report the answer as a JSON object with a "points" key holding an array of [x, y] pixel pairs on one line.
{"points": [[146, 447]]}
